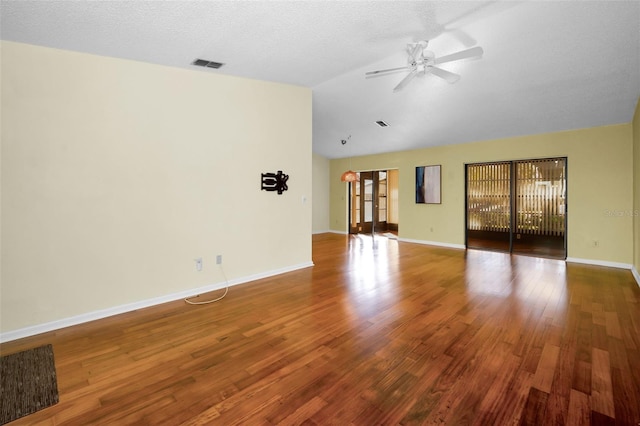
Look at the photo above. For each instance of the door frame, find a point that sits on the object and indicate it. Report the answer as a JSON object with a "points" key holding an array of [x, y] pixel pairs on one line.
{"points": [[375, 225], [513, 208]]}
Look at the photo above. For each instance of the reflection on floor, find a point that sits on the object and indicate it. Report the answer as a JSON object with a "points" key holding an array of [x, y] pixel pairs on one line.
{"points": [[550, 247]]}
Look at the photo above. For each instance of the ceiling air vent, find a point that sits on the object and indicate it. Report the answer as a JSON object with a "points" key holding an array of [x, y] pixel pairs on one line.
{"points": [[382, 123], [206, 64]]}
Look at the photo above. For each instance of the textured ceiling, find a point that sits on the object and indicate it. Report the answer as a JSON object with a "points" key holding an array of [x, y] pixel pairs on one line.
{"points": [[548, 66]]}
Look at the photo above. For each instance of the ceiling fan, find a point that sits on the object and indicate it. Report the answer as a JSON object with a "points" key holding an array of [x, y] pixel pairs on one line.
{"points": [[421, 61]]}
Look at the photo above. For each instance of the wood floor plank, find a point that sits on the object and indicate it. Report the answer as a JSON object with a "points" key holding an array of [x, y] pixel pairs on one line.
{"points": [[558, 401], [626, 405], [546, 368], [579, 413], [602, 419], [535, 408], [379, 331], [601, 386], [500, 403], [612, 325]]}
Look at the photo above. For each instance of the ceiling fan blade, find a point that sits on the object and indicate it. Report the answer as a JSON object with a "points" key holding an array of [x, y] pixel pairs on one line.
{"points": [[474, 52], [447, 75], [387, 70], [386, 74], [463, 37], [405, 81]]}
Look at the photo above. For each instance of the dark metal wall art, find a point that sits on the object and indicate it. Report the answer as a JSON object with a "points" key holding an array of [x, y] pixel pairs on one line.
{"points": [[275, 182]]}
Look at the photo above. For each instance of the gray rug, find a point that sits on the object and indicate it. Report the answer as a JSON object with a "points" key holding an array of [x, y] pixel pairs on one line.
{"points": [[27, 383]]}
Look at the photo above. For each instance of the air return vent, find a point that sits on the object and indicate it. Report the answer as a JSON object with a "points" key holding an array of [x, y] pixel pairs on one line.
{"points": [[382, 123], [206, 64]]}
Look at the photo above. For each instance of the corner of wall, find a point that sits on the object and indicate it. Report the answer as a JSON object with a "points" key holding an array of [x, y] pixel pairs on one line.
{"points": [[635, 126], [320, 194]]}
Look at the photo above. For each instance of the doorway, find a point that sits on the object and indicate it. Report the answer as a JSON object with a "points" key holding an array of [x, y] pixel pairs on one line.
{"points": [[373, 202], [518, 206]]}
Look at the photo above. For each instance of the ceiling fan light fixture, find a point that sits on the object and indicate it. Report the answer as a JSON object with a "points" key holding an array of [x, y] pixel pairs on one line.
{"points": [[421, 62]]}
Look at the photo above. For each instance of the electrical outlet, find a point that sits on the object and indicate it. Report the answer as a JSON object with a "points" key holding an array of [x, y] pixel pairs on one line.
{"points": [[596, 243], [198, 264], [219, 259]]}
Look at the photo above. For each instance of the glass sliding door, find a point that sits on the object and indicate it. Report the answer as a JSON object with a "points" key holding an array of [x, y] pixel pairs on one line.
{"points": [[489, 206], [518, 206], [540, 206]]}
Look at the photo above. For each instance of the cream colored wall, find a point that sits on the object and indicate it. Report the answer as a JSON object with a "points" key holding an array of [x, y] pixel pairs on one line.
{"points": [[117, 174], [636, 187], [599, 185], [1, 173], [320, 200], [392, 194]]}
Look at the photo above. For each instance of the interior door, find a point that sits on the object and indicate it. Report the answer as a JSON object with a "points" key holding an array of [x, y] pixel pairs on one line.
{"points": [[367, 199], [380, 209], [368, 203]]}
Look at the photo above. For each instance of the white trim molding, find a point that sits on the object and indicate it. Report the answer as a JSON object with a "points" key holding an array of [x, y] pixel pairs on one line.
{"points": [[116, 310], [634, 271], [434, 243], [599, 263]]}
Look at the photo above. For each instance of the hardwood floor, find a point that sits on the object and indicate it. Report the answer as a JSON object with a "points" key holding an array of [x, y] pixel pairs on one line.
{"points": [[377, 332]]}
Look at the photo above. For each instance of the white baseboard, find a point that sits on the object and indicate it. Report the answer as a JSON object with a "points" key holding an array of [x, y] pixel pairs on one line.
{"points": [[600, 263], [333, 231], [320, 232], [634, 271], [116, 310], [434, 243]]}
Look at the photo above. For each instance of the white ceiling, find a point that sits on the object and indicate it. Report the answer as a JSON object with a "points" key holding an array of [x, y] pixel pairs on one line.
{"points": [[548, 66]]}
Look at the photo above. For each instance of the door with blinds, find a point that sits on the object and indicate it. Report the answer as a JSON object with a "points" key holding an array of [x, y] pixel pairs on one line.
{"points": [[518, 206], [489, 206]]}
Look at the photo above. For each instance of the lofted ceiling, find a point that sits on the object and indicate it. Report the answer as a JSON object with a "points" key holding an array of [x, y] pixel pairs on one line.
{"points": [[548, 65]]}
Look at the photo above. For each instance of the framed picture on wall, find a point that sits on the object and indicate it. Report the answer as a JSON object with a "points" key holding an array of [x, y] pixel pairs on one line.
{"points": [[428, 185]]}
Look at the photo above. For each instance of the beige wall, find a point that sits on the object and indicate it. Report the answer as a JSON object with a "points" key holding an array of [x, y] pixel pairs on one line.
{"points": [[599, 185], [636, 187], [1, 173], [320, 194], [117, 174], [392, 196]]}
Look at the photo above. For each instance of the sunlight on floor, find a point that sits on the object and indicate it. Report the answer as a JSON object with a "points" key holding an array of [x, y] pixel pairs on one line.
{"points": [[371, 281]]}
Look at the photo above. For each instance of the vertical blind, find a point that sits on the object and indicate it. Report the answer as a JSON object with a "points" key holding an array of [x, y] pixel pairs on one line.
{"points": [[489, 197], [539, 196]]}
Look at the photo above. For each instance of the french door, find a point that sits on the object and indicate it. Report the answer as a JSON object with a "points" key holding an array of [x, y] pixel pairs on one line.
{"points": [[368, 203], [518, 206]]}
